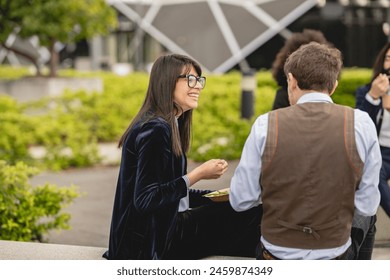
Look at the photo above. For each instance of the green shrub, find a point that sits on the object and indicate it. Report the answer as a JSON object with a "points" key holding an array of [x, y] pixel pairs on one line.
{"points": [[114, 109], [70, 126], [27, 213], [67, 140], [11, 72], [217, 128], [15, 137], [15, 131], [349, 81]]}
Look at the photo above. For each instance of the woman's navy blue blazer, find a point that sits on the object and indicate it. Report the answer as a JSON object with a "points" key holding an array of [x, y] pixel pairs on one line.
{"points": [[149, 188], [364, 105]]}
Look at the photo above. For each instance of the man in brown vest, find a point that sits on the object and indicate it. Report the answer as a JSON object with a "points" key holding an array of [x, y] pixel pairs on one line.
{"points": [[312, 165]]}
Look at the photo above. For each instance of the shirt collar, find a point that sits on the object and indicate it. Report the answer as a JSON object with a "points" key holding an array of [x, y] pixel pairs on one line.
{"points": [[315, 97]]}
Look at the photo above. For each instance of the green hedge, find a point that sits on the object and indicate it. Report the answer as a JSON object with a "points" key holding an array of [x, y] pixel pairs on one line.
{"points": [[70, 126], [27, 213], [349, 81]]}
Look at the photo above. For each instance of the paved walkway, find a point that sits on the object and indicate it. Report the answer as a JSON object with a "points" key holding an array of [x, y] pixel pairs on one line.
{"points": [[91, 213]]}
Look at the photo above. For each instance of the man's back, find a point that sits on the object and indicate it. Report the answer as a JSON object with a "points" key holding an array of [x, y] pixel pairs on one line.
{"points": [[309, 176], [318, 156]]}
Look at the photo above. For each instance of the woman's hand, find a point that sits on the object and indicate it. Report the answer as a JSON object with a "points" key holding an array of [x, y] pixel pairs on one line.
{"points": [[212, 169], [379, 86]]}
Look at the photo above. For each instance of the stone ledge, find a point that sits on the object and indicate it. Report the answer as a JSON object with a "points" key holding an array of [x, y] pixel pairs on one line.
{"points": [[17, 250]]}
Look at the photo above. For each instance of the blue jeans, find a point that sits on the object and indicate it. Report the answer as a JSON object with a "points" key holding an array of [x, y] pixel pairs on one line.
{"points": [[384, 177]]}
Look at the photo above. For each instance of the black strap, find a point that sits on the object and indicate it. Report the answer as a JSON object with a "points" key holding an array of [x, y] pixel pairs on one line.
{"points": [[379, 125], [308, 229]]}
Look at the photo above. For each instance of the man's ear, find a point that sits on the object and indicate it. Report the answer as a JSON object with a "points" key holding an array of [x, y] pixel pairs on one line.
{"points": [[291, 80], [334, 87]]}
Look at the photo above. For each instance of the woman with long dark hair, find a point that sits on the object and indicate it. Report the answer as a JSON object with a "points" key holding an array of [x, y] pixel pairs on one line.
{"points": [[156, 214]]}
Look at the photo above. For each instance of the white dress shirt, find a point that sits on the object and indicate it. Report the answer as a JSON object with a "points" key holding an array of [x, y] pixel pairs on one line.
{"points": [[245, 191]]}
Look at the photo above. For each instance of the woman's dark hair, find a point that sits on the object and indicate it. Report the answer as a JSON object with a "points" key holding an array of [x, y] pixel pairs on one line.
{"points": [[159, 100], [292, 44], [378, 64]]}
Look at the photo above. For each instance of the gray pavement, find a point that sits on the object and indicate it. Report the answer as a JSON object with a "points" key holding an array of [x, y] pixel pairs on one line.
{"points": [[91, 213]]}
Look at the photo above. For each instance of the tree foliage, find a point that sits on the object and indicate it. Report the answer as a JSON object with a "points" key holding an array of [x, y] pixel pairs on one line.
{"points": [[55, 21], [10, 17]]}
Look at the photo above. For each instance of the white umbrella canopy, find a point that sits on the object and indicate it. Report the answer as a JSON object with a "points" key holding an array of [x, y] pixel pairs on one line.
{"points": [[217, 33]]}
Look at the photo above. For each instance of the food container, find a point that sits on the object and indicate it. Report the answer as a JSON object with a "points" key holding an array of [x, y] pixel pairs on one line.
{"points": [[219, 195]]}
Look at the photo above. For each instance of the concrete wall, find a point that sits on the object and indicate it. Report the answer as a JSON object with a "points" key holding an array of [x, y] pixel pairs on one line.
{"points": [[34, 88]]}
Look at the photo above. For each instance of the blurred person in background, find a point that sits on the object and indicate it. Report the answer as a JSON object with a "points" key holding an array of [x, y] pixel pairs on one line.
{"points": [[374, 98], [291, 45]]}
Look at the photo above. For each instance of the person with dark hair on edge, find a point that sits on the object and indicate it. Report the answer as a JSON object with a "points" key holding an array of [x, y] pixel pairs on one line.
{"points": [[157, 214]]}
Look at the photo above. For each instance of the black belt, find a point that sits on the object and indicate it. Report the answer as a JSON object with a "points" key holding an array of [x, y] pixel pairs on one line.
{"points": [[268, 256]]}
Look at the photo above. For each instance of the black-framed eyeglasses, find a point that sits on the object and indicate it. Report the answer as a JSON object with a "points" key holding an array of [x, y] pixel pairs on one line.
{"points": [[192, 80]]}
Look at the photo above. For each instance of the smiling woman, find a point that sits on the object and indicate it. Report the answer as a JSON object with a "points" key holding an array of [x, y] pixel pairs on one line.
{"points": [[156, 214], [186, 94]]}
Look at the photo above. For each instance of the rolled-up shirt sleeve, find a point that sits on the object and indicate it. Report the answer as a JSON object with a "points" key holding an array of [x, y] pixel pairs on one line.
{"points": [[373, 101], [367, 196], [245, 190]]}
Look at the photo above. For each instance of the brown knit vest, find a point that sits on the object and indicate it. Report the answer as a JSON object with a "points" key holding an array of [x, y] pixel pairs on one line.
{"points": [[311, 169]]}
